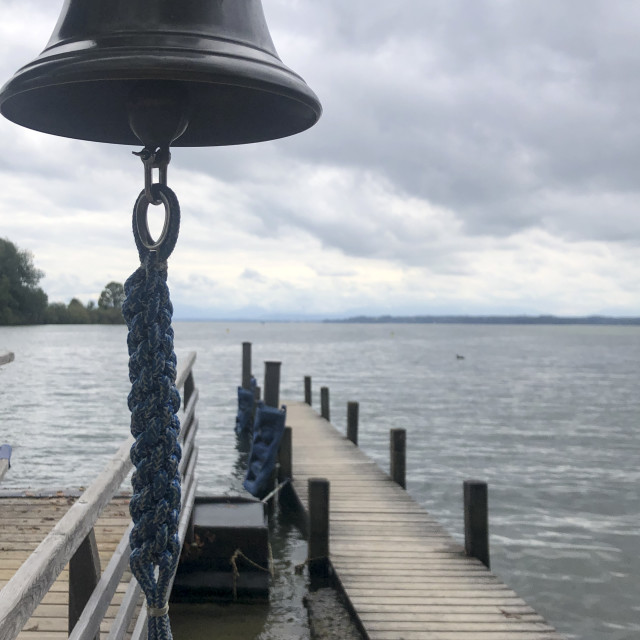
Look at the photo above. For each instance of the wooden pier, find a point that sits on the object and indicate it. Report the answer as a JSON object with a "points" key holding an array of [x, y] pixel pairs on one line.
{"points": [[403, 575], [64, 559], [26, 521]]}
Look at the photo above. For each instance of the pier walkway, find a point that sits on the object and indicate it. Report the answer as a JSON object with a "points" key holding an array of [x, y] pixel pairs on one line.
{"points": [[26, 520], [404, 576]]}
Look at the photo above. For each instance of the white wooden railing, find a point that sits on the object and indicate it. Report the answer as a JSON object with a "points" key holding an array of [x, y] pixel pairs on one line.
{"points": [[5, 358], [73, 541]]}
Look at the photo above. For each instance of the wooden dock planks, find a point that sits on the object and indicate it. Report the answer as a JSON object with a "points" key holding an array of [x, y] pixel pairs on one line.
{"points": [[24, 523], [402, 573]]}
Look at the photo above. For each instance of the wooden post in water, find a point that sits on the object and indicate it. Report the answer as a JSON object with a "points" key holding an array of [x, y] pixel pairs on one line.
{"points": [[285, 455], [352, 421], [272, 384], [324, 403], [246, 365], [318, 551], [476, 520], [398, 456], [84, 573], [307, 390]]}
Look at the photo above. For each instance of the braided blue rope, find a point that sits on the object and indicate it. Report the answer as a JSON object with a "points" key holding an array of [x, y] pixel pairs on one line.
{"points": [[153, 402]]}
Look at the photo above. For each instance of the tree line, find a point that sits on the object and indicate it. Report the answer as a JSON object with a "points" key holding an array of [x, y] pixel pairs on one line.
{"points": [[22, 301]]}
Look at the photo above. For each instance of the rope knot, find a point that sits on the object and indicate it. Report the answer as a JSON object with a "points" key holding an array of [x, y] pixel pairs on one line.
{"points": [[154, 402], [154, 612]]}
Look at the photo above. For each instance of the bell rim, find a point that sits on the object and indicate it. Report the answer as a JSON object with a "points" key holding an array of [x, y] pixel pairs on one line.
{"points": [[263, 74]]}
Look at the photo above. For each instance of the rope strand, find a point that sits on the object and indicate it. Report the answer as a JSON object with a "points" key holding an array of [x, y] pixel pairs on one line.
{"points": [[153, 402]]}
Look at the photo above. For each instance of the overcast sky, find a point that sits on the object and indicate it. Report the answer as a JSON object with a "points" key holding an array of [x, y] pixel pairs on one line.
{"points": [[474, 156]]}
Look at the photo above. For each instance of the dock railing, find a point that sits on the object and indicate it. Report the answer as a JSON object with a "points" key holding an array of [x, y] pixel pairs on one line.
{"points": [[5, 459], [72, 541], [5, 449]]}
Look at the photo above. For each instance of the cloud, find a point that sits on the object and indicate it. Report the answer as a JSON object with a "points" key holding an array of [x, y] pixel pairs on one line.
{"points": [[251, 274], [471, 156]]}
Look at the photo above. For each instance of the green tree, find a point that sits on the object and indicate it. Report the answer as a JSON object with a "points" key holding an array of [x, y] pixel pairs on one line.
{"points": [[112, 296], [21, 300], [57, 313], [77, 313]]}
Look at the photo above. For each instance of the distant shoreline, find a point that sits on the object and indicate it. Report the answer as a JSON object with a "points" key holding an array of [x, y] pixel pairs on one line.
{"points": [[542, 320], [528, 320]]}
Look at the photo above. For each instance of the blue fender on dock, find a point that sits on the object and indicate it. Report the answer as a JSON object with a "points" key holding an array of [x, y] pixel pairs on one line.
{"points": [[267, 433]]}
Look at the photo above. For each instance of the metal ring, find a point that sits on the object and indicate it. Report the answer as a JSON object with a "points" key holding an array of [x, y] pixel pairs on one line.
{"points": [[167, 241]]}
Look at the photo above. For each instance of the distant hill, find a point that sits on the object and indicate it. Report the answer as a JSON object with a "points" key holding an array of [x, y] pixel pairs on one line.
{"points": [[544, 320]]}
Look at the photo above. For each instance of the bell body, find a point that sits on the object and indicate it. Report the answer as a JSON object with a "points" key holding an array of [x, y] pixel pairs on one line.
{"points": [[212, 62]]}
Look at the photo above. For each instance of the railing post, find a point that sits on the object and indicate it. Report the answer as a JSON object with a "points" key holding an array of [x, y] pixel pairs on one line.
{"points": [[398, 456], [307, 390], [246, 365], [318, 551], [353, 409], [5, 459], [271, 383], [324, 403], [189, 386], [84, 573], [476, 520]]}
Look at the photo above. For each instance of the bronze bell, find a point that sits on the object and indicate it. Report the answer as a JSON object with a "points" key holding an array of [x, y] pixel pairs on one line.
{"points": [[195, 72]]}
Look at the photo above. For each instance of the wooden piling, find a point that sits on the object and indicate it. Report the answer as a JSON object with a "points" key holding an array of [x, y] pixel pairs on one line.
{"points": [[353, 409], [476, 520], [318, 550], [246, 365], [272, 383], [324, 403], [398, 456], [307, 390], [285, 455]]}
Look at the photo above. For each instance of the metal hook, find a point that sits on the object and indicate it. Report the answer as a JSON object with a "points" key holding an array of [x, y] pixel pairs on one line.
{"points": [[154, 158]]}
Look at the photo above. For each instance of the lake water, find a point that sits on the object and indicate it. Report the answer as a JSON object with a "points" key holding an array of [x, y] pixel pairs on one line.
{"points": [[549, 416]]}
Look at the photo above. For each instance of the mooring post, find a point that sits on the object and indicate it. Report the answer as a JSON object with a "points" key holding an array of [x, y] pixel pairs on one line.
{"points": [[246, 365], [398, 456], [272, 383], [324, 403], [307, 390], [352, 421], [318, 550], [476, 520], [285, 455]]}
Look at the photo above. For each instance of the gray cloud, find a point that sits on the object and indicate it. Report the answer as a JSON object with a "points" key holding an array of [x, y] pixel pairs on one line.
{"points": [[479, 106], [452, 131]]}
